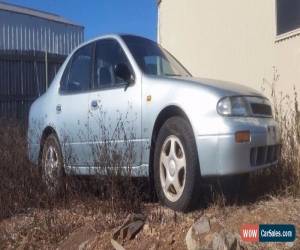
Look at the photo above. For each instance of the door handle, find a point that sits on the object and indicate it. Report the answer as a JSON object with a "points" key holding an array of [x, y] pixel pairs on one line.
{"points": [[58, 108], [94, 104]]}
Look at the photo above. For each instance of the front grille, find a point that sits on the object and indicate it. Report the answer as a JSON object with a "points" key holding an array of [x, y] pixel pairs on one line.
{"points": [[261, 109], [264, 155]]}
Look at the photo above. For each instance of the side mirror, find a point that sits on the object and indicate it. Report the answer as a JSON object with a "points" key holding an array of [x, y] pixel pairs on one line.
{"points": [[122, 71]]}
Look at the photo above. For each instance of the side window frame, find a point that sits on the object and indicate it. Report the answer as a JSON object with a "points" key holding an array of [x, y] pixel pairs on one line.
{"points": [[63, 81], [95, 88], [66, 73]]}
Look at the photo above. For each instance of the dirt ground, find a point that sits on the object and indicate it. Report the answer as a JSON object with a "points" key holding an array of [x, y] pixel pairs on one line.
{"points": [[83, 226]]}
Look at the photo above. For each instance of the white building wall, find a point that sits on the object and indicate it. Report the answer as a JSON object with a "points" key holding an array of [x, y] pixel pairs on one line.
{"points": [[232, 40]]}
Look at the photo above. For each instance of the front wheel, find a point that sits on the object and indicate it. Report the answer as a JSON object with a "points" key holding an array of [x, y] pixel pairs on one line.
{"points": [[52, 166], [176, 166]]}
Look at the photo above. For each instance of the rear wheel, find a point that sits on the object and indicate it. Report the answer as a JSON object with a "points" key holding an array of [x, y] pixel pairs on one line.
{"points": [[176, 167], [52, 166]]}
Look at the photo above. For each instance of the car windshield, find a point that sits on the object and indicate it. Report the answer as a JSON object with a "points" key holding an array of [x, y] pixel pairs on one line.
{"points": [[152, 58]]}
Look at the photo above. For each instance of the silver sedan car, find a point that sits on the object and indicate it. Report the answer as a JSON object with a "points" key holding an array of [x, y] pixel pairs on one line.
{"points": [[121, 93]]}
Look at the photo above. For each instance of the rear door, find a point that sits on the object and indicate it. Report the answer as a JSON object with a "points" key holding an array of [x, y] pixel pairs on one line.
{"points": [[73, 107]]}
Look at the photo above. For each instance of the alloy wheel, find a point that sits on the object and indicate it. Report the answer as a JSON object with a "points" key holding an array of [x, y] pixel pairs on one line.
{"points": [[172, 168]]}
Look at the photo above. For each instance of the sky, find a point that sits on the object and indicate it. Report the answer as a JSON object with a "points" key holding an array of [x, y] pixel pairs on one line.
{"points": [[103, 16]]}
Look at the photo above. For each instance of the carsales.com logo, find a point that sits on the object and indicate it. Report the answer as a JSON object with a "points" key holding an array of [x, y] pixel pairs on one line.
{"points": [[268, 233]]}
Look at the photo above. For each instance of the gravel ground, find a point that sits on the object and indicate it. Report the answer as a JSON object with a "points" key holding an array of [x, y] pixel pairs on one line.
{"points": [[84, 226]]}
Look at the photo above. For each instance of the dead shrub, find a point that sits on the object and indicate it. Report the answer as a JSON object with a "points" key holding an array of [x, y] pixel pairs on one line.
{"points": [[113, 185], [113, 159], [20, 186], [284, 179]]}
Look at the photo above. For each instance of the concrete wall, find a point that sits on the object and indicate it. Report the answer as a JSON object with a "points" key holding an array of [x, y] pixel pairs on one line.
{"points": [[231, 40]]}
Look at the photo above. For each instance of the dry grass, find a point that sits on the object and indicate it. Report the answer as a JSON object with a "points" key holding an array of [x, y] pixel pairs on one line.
{"points": [[20, 186], [286, 177], [32, 219], [66, 228], [29, 218]]}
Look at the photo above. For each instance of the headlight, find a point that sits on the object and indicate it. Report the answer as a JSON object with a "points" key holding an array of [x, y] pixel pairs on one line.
{"points": [[233, 106]]}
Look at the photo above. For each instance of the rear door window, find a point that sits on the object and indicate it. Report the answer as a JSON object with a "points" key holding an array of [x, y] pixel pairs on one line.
{"points": [[78, 74]]}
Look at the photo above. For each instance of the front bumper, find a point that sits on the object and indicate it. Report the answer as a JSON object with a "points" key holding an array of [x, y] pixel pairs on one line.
{"points": [[220, 155]]}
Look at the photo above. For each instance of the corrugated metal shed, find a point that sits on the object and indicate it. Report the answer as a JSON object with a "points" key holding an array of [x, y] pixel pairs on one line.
{"points": [[33, 45], [28, 29]]}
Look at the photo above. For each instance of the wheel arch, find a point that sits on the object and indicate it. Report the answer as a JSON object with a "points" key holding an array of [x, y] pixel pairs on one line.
{"points": [[46, 132], [164, 115]]}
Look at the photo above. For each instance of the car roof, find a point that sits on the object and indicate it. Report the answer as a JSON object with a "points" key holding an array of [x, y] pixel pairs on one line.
{"points": [[112, 35]]}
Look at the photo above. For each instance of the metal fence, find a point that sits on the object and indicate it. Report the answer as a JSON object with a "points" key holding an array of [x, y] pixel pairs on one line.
{"points": [[24, 76]]}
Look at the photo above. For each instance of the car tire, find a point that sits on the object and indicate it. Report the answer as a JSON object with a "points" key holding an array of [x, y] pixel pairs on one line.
{"points": [[176, 166], [52, 171]]}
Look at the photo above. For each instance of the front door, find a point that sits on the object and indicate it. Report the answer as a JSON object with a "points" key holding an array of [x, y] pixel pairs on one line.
{"points": [[114, 111]]}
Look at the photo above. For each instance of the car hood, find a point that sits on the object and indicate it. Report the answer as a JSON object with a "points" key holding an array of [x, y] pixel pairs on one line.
{"points": [[222, 87]]}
